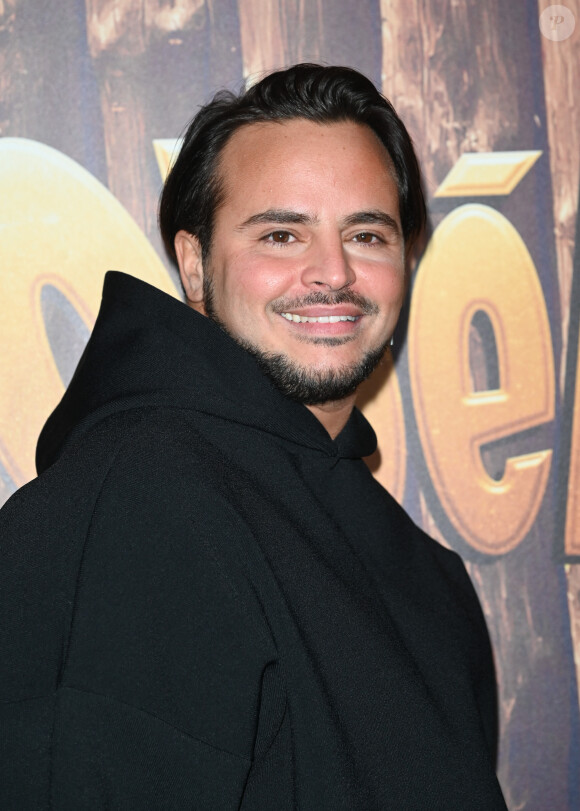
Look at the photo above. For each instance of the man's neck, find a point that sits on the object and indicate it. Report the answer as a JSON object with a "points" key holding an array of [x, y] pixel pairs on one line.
{"points": [[334, 414]]}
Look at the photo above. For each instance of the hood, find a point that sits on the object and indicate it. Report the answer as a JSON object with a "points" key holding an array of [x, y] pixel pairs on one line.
{"points": [[149, 349]]}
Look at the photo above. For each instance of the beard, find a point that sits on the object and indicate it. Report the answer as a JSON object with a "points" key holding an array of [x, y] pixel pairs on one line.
{"points": [[299, 383], [314, 387]]}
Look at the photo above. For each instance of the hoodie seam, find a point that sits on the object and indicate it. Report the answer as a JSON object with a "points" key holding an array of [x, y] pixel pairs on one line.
{"points": [[113, 700]]}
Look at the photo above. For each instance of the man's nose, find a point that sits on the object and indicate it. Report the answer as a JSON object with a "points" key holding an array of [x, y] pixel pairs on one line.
{"points": [[328, 265]]}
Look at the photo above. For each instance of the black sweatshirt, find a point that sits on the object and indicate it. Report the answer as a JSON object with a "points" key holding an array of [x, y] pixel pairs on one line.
{"points": [[208, 603]]}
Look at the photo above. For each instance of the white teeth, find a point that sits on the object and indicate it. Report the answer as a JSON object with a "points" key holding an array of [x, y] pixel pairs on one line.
{"points": [[321, 319]]}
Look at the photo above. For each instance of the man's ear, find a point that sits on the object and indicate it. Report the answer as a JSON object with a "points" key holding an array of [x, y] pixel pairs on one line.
{"points": [[189, 261]]}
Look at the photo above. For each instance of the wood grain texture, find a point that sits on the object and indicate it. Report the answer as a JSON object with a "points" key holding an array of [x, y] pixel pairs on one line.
{"points": [[263, 37], [121, 34], [449, 72], [459, 73], [561, 78], [156, 61], [456, 71], [46, 93], [127, 26], [278, 33]]}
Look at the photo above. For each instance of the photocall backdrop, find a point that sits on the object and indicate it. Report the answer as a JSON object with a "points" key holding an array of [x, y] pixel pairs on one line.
{"points": [[478, 431]]}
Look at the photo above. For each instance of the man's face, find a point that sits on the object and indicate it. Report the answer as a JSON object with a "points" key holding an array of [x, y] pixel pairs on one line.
{"points": [[306, 267]]}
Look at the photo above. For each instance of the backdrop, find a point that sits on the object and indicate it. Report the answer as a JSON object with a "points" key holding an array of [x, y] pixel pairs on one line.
{"points": [[477, 428]]}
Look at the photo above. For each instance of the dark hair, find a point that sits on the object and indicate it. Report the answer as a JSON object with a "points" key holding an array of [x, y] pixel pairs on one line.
{"points": [[193, 191]]}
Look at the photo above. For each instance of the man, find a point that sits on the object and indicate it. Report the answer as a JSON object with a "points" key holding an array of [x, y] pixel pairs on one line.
{"points": [[211, 603]]}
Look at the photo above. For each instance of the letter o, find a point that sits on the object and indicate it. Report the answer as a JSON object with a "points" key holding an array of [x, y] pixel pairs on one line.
{"points": [[60, 227]]}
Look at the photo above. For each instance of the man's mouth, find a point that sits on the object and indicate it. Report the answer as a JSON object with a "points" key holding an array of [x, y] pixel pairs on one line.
{"points": [[325, 308], [318, 319]]}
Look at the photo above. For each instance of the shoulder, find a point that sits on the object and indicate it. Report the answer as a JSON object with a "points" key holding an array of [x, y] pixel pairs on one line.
{"points": [[129, 618], [125, 551], [159, 513], [133, 462]]}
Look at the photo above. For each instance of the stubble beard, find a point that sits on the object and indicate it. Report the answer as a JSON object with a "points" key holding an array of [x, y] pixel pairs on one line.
{"points": [[299, 383]]}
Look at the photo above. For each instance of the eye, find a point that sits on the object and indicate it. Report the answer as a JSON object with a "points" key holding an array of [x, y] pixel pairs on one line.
{"points": [[367, 238], [280, 237]]}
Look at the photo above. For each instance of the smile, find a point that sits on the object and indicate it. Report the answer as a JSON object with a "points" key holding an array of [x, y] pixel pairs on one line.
{"points": [[320, 319]]}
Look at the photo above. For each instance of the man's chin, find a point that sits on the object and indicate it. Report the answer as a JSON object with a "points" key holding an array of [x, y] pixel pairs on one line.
{"points": [[302, 383], [313, 386]]}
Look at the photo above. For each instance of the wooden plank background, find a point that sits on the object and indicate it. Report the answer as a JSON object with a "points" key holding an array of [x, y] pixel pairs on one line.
{"points": [[99, 80]]}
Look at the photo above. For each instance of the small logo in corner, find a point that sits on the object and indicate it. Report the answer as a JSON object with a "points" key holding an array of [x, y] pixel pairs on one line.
{"points": [[557, 23]]}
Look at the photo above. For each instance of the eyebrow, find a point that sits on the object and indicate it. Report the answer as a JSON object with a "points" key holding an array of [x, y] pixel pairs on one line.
{"points": [[279, 216], [374, 217], [282, 216]]}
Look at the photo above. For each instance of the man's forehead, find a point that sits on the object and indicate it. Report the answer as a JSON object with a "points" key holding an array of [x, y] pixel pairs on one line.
{"points": [[277, 145], [285, 134]]}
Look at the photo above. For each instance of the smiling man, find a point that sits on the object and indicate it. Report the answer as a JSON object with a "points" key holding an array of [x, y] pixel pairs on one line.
{"points": [[225, 610], [307, 264]]}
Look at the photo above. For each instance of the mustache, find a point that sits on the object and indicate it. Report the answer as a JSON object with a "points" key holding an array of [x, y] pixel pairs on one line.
{"points": [[365, 305]]}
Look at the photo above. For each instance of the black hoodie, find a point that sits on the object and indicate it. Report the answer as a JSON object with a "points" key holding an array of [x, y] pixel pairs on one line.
{"points": [[209, 603]]}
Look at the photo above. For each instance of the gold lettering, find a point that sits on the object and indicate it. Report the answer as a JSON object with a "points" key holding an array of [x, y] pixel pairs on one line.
{"points": [[572, 531], [475, 262], [62, 230], [380, 400]]}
